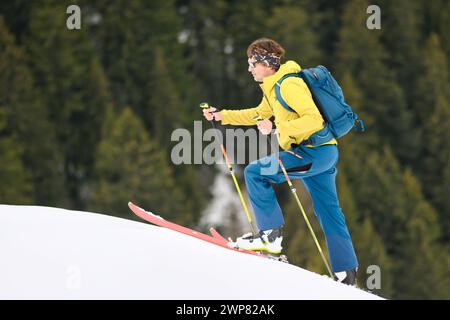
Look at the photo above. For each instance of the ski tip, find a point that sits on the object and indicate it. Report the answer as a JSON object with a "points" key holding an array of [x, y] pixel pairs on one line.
{"points": [[135, 208], [131, 205]]}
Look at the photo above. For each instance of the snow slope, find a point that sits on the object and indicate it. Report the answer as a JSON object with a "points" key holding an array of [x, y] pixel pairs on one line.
{"points": [[50, 253]]}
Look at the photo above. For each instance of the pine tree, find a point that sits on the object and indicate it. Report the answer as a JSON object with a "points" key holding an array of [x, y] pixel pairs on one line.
{"points": [[239, 88], [436, 19], [376, 182], [17, 16], [360, 53], [132, 167], [128, 36], [290, 27], [209, 48], [27, 118], [147, 70], [400, 35], [443, 204], [433, 85], [66, 68], [392, 199], [167, 109], [354, 149], [15, 181], [325, 22], [355, 98], [371, 252], [435, 121], [368, 244], [419, 239], [168, 113]]}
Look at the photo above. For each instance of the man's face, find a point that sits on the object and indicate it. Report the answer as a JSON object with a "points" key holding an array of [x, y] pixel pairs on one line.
{"points": [[258, 70]]}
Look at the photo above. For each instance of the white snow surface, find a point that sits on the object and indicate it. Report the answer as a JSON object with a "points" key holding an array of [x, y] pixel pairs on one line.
{"points": [[51, 253]]}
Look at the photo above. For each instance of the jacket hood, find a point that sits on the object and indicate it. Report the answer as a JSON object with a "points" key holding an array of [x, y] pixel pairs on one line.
{"points": [[288, 67]]}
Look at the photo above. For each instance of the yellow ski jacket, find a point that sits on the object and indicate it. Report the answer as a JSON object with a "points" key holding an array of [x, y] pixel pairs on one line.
{"points": [[292, 127]]}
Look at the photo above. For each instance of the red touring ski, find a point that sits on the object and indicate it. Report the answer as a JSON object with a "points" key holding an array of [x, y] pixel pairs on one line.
{"points": [[215, 237]]}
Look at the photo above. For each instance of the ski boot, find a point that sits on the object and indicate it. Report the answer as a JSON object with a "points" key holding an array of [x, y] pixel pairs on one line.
{"points": [[267, 242], [347, 277]]}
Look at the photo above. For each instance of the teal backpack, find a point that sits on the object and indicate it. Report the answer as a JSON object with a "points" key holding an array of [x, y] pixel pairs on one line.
{"points": [[329, 98]]}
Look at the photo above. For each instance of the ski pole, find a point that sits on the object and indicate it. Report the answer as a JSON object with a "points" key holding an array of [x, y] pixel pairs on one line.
{"points": [[293, 190], [205, 105]]}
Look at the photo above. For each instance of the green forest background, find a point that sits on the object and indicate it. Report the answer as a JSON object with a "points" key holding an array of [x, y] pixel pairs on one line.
{"points": [[86, 115]]}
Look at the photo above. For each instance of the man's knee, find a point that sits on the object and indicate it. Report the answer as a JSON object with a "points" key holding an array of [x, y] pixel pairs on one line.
{"points": [[251, 170]]}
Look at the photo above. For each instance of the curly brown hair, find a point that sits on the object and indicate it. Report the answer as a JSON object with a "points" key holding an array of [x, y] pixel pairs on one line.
{"points": [[265, 46]]}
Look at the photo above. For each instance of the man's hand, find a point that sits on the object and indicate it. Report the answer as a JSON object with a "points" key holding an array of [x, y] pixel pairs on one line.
{"points": [[210, 114], [265, 126]]}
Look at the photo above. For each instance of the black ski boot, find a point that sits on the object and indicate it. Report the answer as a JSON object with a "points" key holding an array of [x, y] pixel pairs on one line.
{"points": [[350, 278]]}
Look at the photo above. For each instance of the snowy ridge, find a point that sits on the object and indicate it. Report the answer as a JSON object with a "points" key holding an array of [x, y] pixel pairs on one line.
{"points": [[50, 253]]}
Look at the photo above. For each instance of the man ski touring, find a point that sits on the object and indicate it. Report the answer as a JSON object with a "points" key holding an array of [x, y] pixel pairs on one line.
{"points": [[315, 165]]}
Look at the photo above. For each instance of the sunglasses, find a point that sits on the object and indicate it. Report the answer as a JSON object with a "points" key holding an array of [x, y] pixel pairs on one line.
{"points": [[252, 64]]}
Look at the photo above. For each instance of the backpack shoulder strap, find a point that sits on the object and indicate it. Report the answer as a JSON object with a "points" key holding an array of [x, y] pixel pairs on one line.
{"points": [[278, 90]]}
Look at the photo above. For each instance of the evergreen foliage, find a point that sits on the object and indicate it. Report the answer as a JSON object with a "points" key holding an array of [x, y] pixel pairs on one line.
{"points": [[86, 116], [16, 186], [132, 167], [74, 90], [26, 117]]}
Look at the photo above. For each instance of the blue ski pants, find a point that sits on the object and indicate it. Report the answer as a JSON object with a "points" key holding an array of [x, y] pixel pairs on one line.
{"points": [[316, 167]]}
